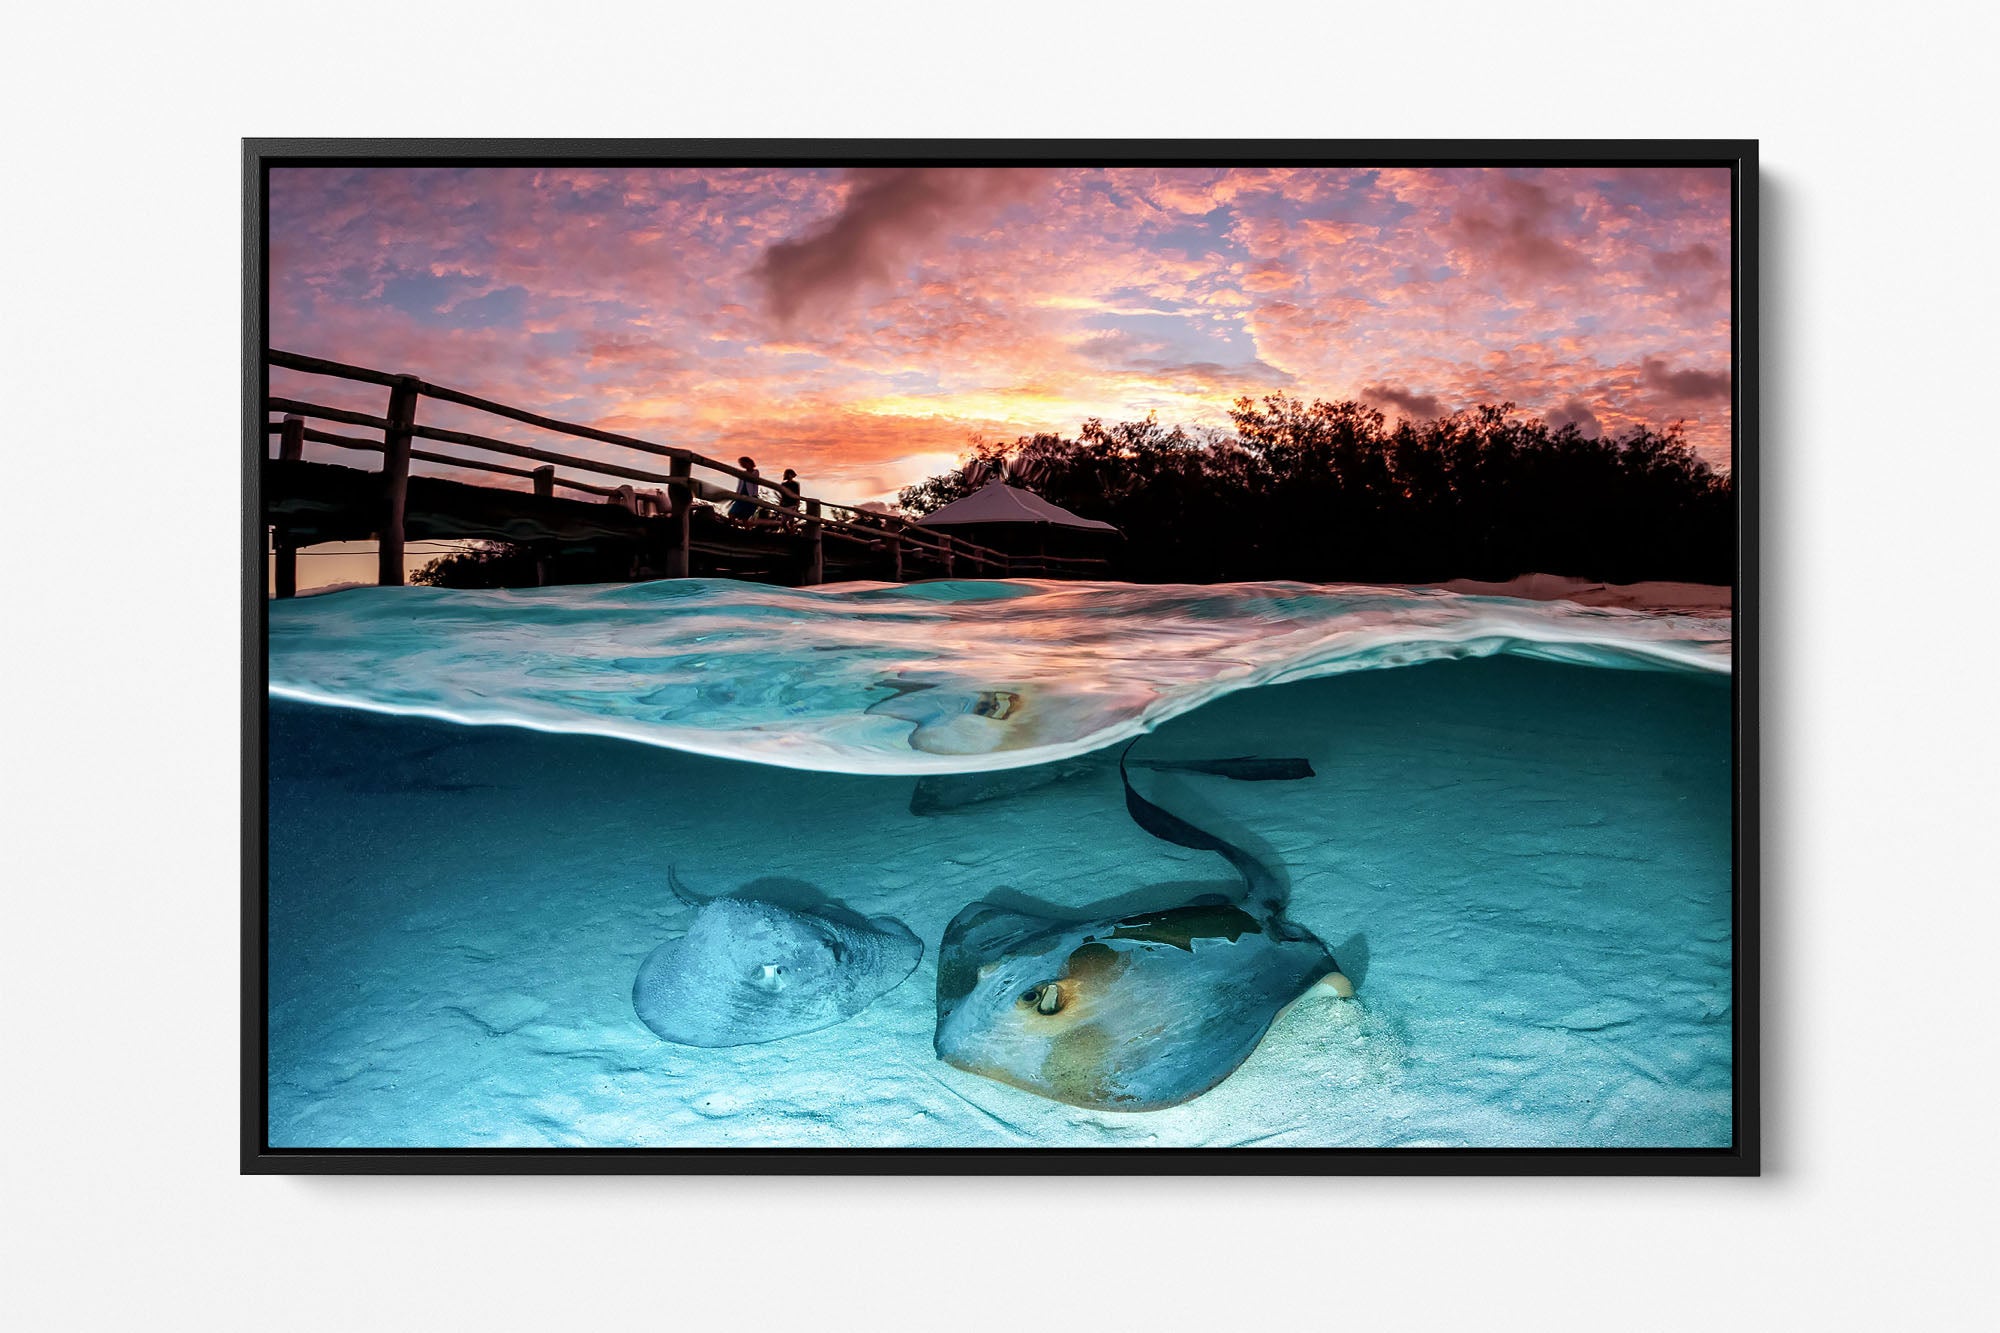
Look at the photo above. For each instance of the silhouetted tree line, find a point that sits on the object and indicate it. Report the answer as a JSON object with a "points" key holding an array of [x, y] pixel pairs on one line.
{"points": [[1331, 491], [495, 564]]}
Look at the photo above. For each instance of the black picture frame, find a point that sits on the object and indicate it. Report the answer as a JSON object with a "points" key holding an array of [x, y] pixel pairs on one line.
{"points": [[1741, 1158]]}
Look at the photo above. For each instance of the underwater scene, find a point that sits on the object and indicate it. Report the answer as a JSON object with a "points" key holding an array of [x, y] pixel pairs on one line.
{"points": [[709, 863]]}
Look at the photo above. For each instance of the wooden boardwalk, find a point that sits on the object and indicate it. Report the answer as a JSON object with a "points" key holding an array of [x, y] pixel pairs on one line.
{"points": [[665, 524]]}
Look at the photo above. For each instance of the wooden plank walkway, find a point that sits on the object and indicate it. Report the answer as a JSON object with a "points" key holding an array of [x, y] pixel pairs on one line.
{"points": [[675, 529]]}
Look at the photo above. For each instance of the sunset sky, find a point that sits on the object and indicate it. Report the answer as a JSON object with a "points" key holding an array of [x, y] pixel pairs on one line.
{"points": [[862, 325]]}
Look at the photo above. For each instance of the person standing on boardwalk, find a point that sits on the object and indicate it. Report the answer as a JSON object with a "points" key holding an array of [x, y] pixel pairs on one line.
{"points": [[788, 496], [745, 486]]}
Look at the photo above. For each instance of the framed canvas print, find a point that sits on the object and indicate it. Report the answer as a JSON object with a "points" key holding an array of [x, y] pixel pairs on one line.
{"points": [[997, 657]]}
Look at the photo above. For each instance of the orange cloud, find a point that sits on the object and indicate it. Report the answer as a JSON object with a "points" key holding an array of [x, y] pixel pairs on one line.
{"points": [[863, 325]]}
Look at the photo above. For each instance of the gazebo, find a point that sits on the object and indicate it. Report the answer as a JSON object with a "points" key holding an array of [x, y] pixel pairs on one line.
{"points": [[1020, 522]]}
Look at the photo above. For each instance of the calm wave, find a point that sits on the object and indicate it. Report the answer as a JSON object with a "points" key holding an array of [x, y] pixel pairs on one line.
{"points": [[919, 678]]}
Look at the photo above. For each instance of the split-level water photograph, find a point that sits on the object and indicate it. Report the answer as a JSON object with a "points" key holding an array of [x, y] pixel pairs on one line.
{"points": [[895, 656]]}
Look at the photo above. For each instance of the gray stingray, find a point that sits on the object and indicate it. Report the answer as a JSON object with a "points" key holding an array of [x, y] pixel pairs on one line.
{"points": [[750, 971], [1133, 1013]]}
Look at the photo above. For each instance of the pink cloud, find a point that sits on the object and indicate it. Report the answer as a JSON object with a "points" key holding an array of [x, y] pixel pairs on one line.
{"points": [[869, 322]]}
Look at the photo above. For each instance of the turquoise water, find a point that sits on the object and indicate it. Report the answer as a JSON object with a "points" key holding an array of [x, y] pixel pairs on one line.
{"points": [[1519, 854], [883, 678]]}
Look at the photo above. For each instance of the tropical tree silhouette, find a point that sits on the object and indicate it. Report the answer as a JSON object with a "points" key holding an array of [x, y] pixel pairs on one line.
{"points": [[1329, 491]]}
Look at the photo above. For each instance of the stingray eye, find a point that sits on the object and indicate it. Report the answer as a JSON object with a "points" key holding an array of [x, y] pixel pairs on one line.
{"points": [[1046, 998]]}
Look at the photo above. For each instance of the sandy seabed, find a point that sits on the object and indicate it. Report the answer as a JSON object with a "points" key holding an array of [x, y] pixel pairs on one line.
{"points": [[1525, 867]]}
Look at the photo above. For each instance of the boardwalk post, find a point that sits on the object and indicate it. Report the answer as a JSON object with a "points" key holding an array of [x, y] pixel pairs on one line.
{"points": [[284, 555], [950, 556], [896, 550], [545, 489], [395, 480], [681, 488], [816, 561]]}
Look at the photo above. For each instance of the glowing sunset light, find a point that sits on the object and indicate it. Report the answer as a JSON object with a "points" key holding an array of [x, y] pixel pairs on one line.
{"points": [[862, 325]]}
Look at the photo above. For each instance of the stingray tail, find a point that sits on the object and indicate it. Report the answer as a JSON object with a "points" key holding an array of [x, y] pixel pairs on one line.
{"points": [[681, 891], [1265, 887]]}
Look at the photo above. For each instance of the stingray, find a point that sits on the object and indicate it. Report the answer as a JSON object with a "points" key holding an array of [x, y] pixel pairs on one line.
{"points": [[954, 720], [749, 971], [1133, 1013]]}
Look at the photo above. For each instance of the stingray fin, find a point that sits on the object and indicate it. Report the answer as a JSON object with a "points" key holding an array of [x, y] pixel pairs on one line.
{"points": [[990, 929], [1335, 983], [981, 934]]}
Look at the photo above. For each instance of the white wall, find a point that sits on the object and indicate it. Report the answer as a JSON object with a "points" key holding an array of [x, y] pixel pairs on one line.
{"points": [[121, 1197]]}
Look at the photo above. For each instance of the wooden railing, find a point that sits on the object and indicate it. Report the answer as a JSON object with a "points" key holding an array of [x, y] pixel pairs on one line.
{"points": [[399, 429]]}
